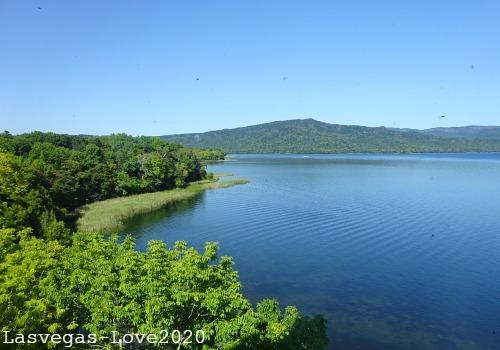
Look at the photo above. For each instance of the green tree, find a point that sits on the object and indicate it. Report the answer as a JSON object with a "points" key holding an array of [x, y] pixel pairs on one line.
{"points": [[24, 271], [23, 199], [54, 281], [110, 286]]}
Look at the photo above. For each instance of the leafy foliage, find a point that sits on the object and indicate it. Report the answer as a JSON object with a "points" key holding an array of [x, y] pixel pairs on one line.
{"points": [[73, 170], [53, 280], [101, 286], [23, 198], [24, 271], [82, 169]]}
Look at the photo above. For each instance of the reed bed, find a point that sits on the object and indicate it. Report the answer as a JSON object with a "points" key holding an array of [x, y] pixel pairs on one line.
{"points": [[109, 215]]}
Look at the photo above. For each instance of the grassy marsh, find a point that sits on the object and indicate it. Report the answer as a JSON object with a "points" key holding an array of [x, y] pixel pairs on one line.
{"points": [[110, 215]]}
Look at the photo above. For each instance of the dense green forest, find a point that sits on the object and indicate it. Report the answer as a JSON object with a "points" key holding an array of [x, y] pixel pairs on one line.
{"points": [[63, 172], [56, 280], [312, 136], [474, 132]]}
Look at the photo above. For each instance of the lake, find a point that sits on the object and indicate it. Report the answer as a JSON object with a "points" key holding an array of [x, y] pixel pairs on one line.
{"points": [[397, 251]]}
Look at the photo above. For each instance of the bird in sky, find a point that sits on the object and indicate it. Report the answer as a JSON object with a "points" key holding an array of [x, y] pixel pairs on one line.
{"points": [[39, 8], [441, 116]]}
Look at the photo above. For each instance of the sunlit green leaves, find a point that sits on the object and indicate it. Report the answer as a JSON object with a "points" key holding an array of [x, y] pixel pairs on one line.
{"points": [[112, 287]]}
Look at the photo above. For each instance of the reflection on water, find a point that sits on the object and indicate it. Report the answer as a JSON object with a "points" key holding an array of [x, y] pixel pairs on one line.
{"points": [[398, 251], [133, 226]]}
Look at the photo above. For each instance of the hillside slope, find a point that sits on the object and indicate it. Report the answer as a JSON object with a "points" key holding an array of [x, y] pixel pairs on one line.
{"points": [[312, 136], [469, 132]]}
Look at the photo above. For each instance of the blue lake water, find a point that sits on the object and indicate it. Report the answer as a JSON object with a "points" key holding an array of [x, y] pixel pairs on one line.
{"points": [[397, 251]]}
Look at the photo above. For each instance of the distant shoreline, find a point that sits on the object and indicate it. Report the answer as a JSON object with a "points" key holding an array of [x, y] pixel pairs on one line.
{"points": [[360, 152]]}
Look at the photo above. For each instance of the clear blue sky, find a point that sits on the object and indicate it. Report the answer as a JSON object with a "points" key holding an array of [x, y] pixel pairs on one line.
{"points": [[99, 67]]}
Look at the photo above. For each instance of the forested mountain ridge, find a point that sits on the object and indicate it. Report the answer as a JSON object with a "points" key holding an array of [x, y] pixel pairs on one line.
{"points": [[312, 136], [469, 132]]}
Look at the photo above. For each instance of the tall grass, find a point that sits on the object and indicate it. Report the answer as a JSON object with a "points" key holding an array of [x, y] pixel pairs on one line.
{"points": [[109, 215]]}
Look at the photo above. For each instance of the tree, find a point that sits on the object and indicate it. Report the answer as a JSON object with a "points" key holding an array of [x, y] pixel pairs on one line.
{"points": [[24, 270], [22, 197], [109, 286], [152, 171], [53, 280]]}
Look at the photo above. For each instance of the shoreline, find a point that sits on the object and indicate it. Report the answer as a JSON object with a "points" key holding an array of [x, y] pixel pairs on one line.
{"points": [[109, 216]]}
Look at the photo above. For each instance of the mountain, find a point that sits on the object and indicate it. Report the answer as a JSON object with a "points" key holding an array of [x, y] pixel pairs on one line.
{"points": [[469, 132], [312, 136], [472, 132]]}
